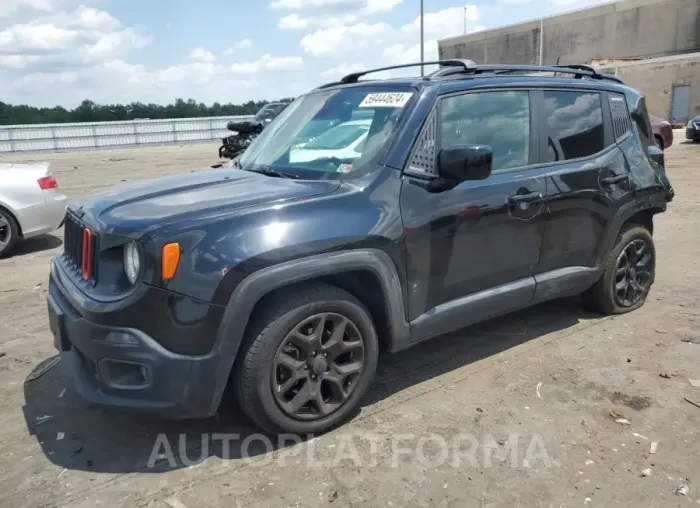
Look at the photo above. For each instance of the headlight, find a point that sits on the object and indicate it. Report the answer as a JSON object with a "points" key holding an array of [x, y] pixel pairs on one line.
{"points": [[690, 125], [132, 261]]}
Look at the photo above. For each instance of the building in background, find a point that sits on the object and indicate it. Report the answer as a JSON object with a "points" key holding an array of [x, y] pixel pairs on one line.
{"points": [[653, 45]]}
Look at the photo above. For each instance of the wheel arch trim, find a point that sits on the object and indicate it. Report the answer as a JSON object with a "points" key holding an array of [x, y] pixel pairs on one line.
{"points": [[254, 287], [627, 211]]}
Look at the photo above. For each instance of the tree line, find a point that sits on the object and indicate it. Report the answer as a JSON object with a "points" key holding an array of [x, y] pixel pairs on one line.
{"points": [[88, 111]]}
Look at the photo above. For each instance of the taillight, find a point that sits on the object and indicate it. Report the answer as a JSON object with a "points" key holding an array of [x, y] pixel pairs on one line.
{"points": [[86, 268], [47, 183]]}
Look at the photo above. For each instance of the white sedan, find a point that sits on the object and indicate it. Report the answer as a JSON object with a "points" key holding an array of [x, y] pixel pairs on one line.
{"points": [[344, 141], [30, 203]]}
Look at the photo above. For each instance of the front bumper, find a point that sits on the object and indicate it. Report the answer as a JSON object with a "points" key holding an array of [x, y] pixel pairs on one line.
{"points": [[124, 367], [692, 134]]}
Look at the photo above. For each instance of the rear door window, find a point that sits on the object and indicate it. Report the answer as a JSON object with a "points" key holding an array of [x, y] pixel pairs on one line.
{"points": [[575, 127]]}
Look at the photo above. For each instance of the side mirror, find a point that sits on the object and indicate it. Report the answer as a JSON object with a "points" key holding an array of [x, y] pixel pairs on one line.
{"points": [[465, 162]]}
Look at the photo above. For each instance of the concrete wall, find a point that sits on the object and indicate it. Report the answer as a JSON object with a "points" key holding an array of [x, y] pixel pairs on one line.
{"points": [[624, 29], [656, 78]]}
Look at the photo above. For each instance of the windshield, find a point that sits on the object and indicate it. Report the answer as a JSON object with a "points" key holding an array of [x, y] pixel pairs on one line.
{"points": [[353, 128], [339, 136]]}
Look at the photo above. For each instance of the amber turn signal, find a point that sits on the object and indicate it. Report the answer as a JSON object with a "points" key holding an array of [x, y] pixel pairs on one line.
{"points": [[170, 260]]}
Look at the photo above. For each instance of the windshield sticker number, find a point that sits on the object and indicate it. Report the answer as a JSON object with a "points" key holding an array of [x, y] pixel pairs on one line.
{"points": [[386, 100]]}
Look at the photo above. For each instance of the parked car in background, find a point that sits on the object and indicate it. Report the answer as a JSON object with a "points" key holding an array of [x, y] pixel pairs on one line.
{"points": [[30, 203], [663, 132], [692, 130]]}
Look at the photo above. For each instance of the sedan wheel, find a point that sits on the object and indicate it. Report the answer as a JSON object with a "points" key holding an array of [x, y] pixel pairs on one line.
{"points": [[8, 233]]}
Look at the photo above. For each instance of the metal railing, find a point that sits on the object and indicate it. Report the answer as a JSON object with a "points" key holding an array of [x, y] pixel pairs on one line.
{"points": [[94, 135]]}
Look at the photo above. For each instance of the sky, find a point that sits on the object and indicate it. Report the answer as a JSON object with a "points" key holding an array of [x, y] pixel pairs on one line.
{"points": [[60, 52]]}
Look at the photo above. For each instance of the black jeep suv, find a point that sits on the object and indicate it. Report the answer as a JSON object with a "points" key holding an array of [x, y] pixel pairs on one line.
{"points": [[441, 201]]}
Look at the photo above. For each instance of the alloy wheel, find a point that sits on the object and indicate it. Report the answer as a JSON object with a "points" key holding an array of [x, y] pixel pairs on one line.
{"points": [[634, 274], [317, 366]]}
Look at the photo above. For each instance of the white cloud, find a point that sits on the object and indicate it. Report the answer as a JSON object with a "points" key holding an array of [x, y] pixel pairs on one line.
{"points": [[36, 36], [113, 44], [16, 61], [365, 46], [374, 6], [444, 23], [242, 44], [341, 70], [293, 22], [10, 7], [89, 18], [296, 22], [202, 55], [307, 4], [270, 63], [329, 40], [245, 43]]}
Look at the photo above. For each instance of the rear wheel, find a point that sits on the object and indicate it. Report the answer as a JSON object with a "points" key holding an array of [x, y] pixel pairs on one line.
{"points": [[308, 362], [9, 232], [628, 274]]}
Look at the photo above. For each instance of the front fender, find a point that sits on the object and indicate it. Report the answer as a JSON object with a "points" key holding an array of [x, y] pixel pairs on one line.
{"points": [[254, 287]]}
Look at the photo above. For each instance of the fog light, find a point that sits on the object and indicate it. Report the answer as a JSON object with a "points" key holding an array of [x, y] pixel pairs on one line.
{"points": [[123, 375], [121, 339]]}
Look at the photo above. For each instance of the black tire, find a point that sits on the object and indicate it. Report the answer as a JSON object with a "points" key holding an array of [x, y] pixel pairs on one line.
{"points": [[252, 376], [601, 298], [9, 233]]}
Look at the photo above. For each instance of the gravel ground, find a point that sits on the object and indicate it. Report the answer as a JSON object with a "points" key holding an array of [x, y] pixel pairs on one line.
{"points": [[549, 407]]}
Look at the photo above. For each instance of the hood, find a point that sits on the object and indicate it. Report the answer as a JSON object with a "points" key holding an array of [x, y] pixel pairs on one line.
{"points": [[139, 207]]}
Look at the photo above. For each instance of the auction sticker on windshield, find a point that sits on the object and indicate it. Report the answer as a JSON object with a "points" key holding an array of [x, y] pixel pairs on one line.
{"points": [[386, 100]]}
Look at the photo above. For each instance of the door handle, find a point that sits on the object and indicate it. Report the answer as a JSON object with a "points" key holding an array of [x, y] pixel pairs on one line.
{"points": [[612, 180], [525, 198]]}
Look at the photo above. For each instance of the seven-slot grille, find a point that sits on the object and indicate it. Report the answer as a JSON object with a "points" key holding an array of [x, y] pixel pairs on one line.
{"points": [[79, 246]]}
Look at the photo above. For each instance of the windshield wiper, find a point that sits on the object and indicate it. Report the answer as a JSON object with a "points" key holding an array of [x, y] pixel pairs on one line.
{"points": [[271, 172]]}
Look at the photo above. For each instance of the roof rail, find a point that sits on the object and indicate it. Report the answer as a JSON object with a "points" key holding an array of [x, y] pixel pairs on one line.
{"points": [[466, 65], [453, 66], [578, 71]]}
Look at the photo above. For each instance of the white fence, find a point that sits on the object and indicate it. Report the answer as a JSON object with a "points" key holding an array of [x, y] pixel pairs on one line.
{"points": [[91, 135]]}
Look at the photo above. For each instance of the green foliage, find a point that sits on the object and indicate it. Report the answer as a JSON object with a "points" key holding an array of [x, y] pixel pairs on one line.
{"points": [[88, 111]]}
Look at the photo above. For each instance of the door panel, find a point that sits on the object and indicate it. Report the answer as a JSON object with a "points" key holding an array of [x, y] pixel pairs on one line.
{"points": [[480, 234], [586, 182], [470, 238]]}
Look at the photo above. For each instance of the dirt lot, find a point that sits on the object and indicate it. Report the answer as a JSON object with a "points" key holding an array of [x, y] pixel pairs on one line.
{"points": [[518, 412]]}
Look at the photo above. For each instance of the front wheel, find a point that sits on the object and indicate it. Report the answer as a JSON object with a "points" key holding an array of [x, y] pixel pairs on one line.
{"points": [[309, 361], [628, 274]]}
